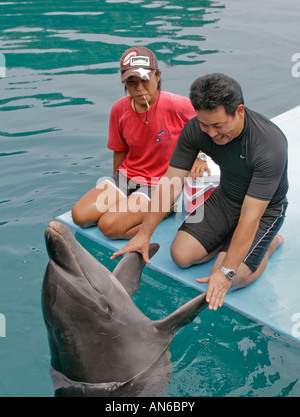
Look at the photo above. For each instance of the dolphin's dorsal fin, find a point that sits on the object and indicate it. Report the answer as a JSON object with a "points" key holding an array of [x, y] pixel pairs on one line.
{"points": [[130, 268], [182, 316]]}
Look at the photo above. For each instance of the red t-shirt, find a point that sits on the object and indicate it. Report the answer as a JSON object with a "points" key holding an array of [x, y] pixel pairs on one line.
{"points": [[149, 146]]}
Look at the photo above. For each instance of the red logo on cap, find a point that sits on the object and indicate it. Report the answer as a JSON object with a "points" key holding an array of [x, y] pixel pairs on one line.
{"points": [[127, 57]]}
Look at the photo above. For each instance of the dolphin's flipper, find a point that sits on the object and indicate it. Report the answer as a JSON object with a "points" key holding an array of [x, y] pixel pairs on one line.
{"points": [[182, 316], [130, 268]]}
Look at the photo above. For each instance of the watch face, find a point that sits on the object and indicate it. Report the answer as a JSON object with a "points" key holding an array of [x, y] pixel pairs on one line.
{"points": [[203, 157], [230, 274]]}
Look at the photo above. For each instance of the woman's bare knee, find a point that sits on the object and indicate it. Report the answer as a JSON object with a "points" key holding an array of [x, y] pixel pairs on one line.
{"points": [[107, 225], [89, 209], [79, 217]]}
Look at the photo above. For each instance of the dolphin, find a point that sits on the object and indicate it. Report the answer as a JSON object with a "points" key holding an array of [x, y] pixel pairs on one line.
{"points": [[100, 343]]}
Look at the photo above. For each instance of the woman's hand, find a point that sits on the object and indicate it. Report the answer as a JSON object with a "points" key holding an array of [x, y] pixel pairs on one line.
{"points": [[198, 169]]}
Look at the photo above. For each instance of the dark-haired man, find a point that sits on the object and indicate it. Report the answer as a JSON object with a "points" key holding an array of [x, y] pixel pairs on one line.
{"points": [[242, 217]]}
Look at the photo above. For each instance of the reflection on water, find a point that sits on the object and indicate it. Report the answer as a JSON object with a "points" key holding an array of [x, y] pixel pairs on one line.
{"points": [[62, 63], [174, 29]]}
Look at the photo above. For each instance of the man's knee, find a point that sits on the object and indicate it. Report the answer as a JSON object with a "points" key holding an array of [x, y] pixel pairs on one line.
{"points": [[181, 255], [187, 251], [178, 257]]}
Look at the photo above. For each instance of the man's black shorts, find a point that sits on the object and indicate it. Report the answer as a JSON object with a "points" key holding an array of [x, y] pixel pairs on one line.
{"points": [[218, 218]]}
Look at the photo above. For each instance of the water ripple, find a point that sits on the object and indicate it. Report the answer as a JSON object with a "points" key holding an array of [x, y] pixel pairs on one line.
{"points": [[29, 133], [47, 100], [11, 154]]}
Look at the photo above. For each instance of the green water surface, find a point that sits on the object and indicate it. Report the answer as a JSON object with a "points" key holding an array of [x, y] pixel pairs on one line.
{"points": [[62, 78]]}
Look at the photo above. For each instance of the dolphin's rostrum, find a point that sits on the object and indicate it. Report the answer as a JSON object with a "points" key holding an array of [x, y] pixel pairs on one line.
{"points": [[101, 344]]}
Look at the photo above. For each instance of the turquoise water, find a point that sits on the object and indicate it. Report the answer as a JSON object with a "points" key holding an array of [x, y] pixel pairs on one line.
{"points": [[61, 80]]}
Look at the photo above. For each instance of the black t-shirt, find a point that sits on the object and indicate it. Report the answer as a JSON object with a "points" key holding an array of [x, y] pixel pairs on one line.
{"points": [[254, 163]]}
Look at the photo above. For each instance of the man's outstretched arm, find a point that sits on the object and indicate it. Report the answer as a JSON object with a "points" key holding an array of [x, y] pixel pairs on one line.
{"points": [[167, 190]]}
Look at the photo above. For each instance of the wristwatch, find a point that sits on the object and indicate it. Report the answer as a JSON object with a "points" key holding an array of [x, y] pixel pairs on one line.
{"points": [[202, 156], [229, 273]]}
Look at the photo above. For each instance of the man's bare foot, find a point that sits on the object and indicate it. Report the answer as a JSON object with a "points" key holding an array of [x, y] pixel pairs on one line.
{"points": [[276, 242]]}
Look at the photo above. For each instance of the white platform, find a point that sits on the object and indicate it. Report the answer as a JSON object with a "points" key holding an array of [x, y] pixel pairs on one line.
{"points": [[274, 299]]}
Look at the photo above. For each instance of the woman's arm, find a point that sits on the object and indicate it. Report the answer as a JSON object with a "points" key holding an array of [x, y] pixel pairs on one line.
{"points": [[119, 157]]}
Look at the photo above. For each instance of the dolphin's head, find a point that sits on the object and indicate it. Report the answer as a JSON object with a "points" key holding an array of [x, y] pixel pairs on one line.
{"points": [[96, 333]]}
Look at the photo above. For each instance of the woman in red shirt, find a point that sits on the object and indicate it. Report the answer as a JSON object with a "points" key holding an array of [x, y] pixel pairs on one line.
{"points": [[144, 127]]}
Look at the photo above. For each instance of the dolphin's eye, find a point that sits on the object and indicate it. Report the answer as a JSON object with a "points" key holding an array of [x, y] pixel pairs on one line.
{"points": [[106, 312]]}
